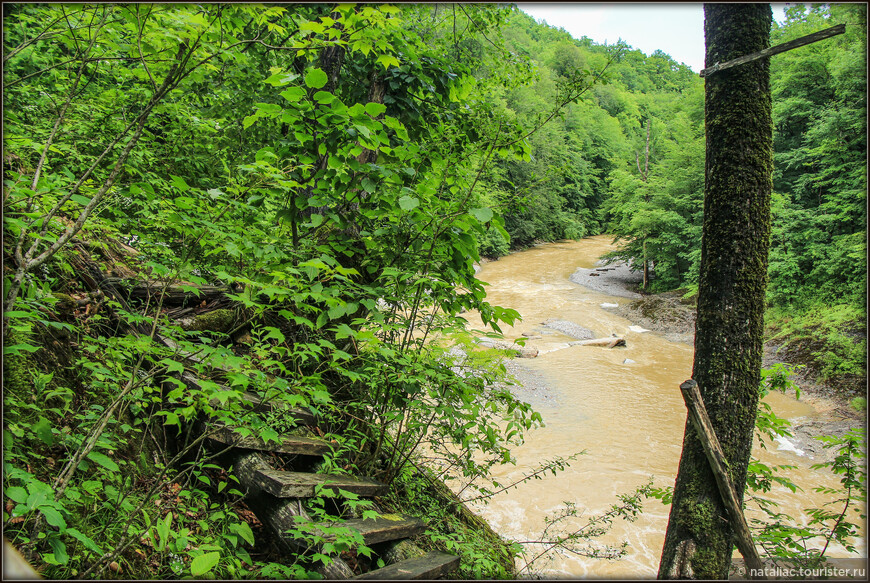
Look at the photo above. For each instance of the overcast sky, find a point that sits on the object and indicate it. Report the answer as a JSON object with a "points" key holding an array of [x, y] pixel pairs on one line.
{"points": [[676, 29]]}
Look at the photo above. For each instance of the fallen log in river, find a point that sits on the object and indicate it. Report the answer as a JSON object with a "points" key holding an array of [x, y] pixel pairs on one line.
{"points": [[611, 342]]}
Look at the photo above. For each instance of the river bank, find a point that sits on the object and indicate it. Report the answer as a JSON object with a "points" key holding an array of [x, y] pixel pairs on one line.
{"points": [[672, 316], [621, 407]]}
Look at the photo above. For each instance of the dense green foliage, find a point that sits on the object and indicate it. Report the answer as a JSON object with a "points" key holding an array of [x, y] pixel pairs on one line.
{"points": [[583, 176], [818, 262], [639, 175], [323, 161], [342, 168]]}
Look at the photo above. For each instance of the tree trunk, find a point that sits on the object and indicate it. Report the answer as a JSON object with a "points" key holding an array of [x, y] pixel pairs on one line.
{"points": [[644, 175], [728, 336]]}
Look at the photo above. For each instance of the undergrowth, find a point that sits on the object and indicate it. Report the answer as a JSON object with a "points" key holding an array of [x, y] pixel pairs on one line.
{"points": [[831, 340]]}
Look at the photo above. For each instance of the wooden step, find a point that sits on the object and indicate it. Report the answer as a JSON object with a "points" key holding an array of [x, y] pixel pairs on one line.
{"points": [[288, 444], [430, 566], [283, 484], [387, 527]]}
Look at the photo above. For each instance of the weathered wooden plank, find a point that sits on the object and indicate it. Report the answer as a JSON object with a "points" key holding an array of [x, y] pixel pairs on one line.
{"points": [[704, 428], [283, 484], [430, 566], [387, 527], [173, 294], [278, 515], [769, 52], [288, 444]]}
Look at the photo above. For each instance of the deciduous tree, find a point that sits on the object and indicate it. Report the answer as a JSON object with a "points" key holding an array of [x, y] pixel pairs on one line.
{"points": [[728, 336]]}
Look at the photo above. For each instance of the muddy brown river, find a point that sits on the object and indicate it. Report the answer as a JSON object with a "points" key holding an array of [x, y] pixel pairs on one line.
{"points": [[629, 418]]}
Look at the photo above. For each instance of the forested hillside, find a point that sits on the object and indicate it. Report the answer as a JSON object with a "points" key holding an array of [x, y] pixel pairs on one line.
{"points": [[628, 160], [206, 201]]}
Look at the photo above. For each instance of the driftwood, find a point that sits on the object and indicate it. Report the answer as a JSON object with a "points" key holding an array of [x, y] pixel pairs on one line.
{"points": [[611, 342], [704, 428]]}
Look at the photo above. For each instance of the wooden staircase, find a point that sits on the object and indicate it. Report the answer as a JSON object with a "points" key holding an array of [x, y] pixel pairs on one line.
{"points": [[275, 497], [274, 494]]}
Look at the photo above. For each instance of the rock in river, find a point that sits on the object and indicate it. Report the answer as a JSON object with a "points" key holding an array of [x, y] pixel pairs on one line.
{"points": [[569, 329]]}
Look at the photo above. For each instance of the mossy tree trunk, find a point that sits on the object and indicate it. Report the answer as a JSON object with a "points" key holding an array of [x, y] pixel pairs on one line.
{"points": [[728, 336]]}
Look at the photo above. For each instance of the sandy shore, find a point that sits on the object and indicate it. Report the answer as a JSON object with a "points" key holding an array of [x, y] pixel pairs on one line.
{"points": [[616, 279]]}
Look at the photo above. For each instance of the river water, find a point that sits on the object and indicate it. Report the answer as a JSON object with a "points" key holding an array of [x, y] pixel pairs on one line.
{"points": [[629, 418]]}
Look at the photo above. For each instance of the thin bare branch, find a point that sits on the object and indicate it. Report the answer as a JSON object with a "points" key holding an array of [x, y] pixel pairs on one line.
{"points": [[61, 115], [141, 24], [40, 72], [71, 29]]}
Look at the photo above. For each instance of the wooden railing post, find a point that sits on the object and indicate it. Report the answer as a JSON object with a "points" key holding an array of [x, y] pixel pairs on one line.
{"points": [[704, 428]]}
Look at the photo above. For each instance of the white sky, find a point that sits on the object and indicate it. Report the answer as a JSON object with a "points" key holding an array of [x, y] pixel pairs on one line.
{"points": [[676, 29]]}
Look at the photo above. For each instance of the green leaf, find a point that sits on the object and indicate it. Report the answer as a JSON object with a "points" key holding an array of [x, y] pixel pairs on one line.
{"points": [[387, 60], [42, 429], [163, 527], [482, 214], [269, 109], [408, 203], [172, 365], [274, 333], [280, 78], [293, 94], [82, 200], [84, 539], [204, 563], [104, 460], [316, 78], [53, 517], [179, 183], [324, 97], [59, 549], [375, 109], [16, 348], [369, 186], [92, 487], [17, 494], [244, 531], [311, 26]]}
